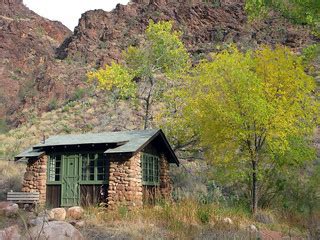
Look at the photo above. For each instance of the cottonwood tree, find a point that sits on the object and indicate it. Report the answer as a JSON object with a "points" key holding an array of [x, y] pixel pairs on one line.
{"points": [[148, 70], [247, 108]]}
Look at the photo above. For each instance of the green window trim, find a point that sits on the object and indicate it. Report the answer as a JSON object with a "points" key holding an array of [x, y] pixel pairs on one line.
{"points": [[150, 165], [93, 168], [54, 169]]}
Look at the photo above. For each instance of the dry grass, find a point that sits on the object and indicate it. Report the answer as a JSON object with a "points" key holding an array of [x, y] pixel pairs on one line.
{"points": [[93, 114], [11, 175], [184, 220]]}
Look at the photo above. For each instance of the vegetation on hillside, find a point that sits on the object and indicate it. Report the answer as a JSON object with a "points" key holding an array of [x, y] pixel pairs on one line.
{"points": [[297, 11], [148, 70]]}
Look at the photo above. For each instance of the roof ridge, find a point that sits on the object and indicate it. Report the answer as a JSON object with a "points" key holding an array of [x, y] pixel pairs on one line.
{"points": [[110, 132]]}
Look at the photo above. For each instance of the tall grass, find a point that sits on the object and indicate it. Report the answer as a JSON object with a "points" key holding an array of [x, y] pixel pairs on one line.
{"points": [[11, 176], [186, 219]]}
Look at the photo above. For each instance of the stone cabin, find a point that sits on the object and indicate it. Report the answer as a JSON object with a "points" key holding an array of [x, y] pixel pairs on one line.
{"points": [[116, 168]]}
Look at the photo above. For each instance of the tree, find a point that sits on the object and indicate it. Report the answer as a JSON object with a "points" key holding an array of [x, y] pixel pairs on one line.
{"points": [[248, 107], [148, 70]]}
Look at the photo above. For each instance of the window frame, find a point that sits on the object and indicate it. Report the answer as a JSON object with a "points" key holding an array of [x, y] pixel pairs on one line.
{"points": [[50, 159], [95, 165], [150, 168], [80, 159]]}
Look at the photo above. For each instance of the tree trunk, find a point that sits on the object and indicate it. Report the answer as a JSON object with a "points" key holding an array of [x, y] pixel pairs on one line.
{"points": [[254, 187], [146, 116]]}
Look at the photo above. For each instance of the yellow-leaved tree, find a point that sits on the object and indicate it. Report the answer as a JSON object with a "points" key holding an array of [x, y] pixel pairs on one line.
{"points": [[249, 108], [148, 70]]}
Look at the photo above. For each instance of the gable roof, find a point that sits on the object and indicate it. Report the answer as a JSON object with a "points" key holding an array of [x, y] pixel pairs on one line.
{"points": [[127, 141]]}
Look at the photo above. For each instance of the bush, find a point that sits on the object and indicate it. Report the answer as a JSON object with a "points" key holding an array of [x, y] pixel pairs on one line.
{"points": [[11, 177], [3, 126], [78, 94], [204, 214], [53, 104]]}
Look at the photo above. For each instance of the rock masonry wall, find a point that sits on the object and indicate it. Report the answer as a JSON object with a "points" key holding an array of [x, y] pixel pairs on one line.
{"points": [[35, 177], [125, 182], [165, 181]]}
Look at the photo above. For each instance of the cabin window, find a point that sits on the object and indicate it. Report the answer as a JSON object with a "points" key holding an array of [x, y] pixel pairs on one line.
{"points": [[54, 168], [150, 169], [94, 167]]}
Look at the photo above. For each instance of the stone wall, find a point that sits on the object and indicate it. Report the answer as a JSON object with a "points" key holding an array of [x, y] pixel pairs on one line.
{"points": [[125, 182], [35, 177], [165, 181], [164, 190]]}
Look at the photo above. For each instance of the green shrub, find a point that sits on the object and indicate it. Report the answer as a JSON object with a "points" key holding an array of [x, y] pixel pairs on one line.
{"points": [[123, 212], [204, 214], [53, 104], [3, 126], [78, 94]]}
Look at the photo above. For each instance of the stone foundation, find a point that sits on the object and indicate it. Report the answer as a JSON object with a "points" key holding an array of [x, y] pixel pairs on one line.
{"points": [[35, 177], [125, 182]]}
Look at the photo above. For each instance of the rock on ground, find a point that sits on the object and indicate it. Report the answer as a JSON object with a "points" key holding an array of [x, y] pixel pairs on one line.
{"points": [[75, 213], [252, 228], [56, 230], [10, 233], [38, 221], [228, 221], [57, 214], [8, 209]]}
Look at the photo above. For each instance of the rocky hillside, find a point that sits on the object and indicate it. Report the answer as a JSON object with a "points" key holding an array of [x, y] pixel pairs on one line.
{"points": [[27, 48], [43, 63], [100, 36]]}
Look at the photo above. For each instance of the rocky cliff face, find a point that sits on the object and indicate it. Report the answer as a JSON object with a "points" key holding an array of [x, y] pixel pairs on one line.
{"points": [[27, 46], [41, 61], [100, 36]]}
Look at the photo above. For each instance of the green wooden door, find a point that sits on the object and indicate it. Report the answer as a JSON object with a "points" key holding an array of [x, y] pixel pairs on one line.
{"points": [[70, 192]]}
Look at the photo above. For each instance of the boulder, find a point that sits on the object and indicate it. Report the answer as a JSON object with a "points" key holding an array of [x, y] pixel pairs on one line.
{"points": [[10, 233], [252, 228], [38, 221], [9, 209], [55, 230], [57, 214], [80, 224], [75, 213], [227, 221]]}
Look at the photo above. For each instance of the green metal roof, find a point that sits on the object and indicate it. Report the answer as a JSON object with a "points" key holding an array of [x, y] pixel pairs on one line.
{"points": [[29, 153], [128, 141], [132, 139]]}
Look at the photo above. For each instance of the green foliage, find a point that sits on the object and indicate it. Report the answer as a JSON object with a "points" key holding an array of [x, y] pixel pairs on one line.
{"points": [[213, 3], [27, 90], [250, 107], [78, 94], [53, 104], [204, 214], [311, 52], [300, 12], [123, 211], [3, 126]]}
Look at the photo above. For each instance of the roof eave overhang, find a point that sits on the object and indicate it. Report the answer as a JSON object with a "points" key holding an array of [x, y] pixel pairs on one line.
{"points": [[160, 132]]}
